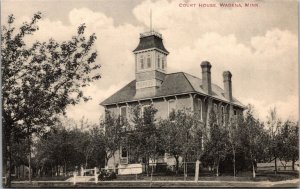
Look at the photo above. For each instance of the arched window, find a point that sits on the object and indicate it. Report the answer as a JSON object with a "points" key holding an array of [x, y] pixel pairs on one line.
{"points": [[148, 61]]}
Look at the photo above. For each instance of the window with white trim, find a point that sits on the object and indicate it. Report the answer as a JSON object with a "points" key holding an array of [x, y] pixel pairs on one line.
{"points": [[124, 151]]}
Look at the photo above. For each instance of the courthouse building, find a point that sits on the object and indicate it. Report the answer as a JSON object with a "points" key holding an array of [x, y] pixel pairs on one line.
{"points": [[170, 91]]}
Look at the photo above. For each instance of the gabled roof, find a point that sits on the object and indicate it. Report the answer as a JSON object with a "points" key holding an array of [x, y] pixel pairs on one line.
{"points": [[149, 42], [174, 84]]}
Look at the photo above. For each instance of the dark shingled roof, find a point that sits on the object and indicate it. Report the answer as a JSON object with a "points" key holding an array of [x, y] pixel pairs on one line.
{"points": [[174, 83], [149, 42]]}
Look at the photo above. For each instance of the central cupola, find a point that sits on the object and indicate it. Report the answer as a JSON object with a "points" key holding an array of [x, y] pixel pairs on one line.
{"points": [[150, 61]]}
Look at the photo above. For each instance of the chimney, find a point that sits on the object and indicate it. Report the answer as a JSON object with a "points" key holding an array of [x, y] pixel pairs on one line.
{"points": [[206, 77], [227, 85]]}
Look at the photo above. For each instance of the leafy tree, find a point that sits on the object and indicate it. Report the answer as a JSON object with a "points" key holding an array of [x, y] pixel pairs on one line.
{"points": [[273, 128], [69, 148], [41, 79], [183, 136], [113, 128], [254, 138], [144, 137], [217, 144], [288, 146], [234, 139], [98, 153]]}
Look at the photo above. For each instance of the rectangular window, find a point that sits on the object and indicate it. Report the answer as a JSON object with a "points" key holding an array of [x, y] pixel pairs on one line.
{"points": [[215, 108], [171, 109], [163, 64], [223, 114], [149, 61], [123, 111], [158, 61], [200, 108], [142, 62], [124, 152], [143, 109]]}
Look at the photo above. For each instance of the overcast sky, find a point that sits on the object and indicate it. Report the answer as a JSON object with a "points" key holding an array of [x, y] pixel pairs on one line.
{"points": [[258, 45]]}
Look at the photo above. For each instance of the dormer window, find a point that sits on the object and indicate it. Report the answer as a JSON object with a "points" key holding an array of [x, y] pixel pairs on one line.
{"points": [[148, 61], [142, 62]]}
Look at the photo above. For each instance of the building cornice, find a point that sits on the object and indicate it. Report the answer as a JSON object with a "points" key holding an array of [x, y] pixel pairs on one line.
{"points": [[178, 94]]}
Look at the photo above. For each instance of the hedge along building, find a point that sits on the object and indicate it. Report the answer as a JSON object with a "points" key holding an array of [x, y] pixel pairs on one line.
{"points": [[168, 92]]}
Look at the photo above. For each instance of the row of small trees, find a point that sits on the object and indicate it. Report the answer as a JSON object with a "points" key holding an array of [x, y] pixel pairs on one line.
{"points": [[245, 140]]}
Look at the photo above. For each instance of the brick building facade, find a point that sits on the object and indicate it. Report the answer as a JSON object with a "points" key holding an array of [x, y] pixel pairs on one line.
{"points": [[170, 91]]}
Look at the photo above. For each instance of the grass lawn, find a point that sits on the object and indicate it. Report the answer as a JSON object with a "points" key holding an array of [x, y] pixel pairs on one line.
{"points": [[244, 179], [242, 176]]}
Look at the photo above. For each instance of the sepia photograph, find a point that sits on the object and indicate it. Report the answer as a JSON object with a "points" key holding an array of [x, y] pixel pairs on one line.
{"points": [[149, 93]]}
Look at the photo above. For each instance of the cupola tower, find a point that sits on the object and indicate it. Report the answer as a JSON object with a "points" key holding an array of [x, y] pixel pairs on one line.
{"points": [[150, 61]]}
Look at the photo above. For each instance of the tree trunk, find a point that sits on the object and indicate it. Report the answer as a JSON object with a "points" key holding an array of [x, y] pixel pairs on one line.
{"points": [[8, 167], [217, 168], [293, 164], [197, 170], [106, 161], [86, 162], [177, 164], [184, 173], [29, 167], [151, 173], [65, 168], [275, 165], [29, 154], [7, 140], [114, 167], [234, 164], [51, 170], [147, 163], [253, 170]]}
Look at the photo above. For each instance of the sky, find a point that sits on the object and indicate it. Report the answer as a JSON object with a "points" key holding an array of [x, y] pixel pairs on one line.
{"points": [[258, 45]]}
